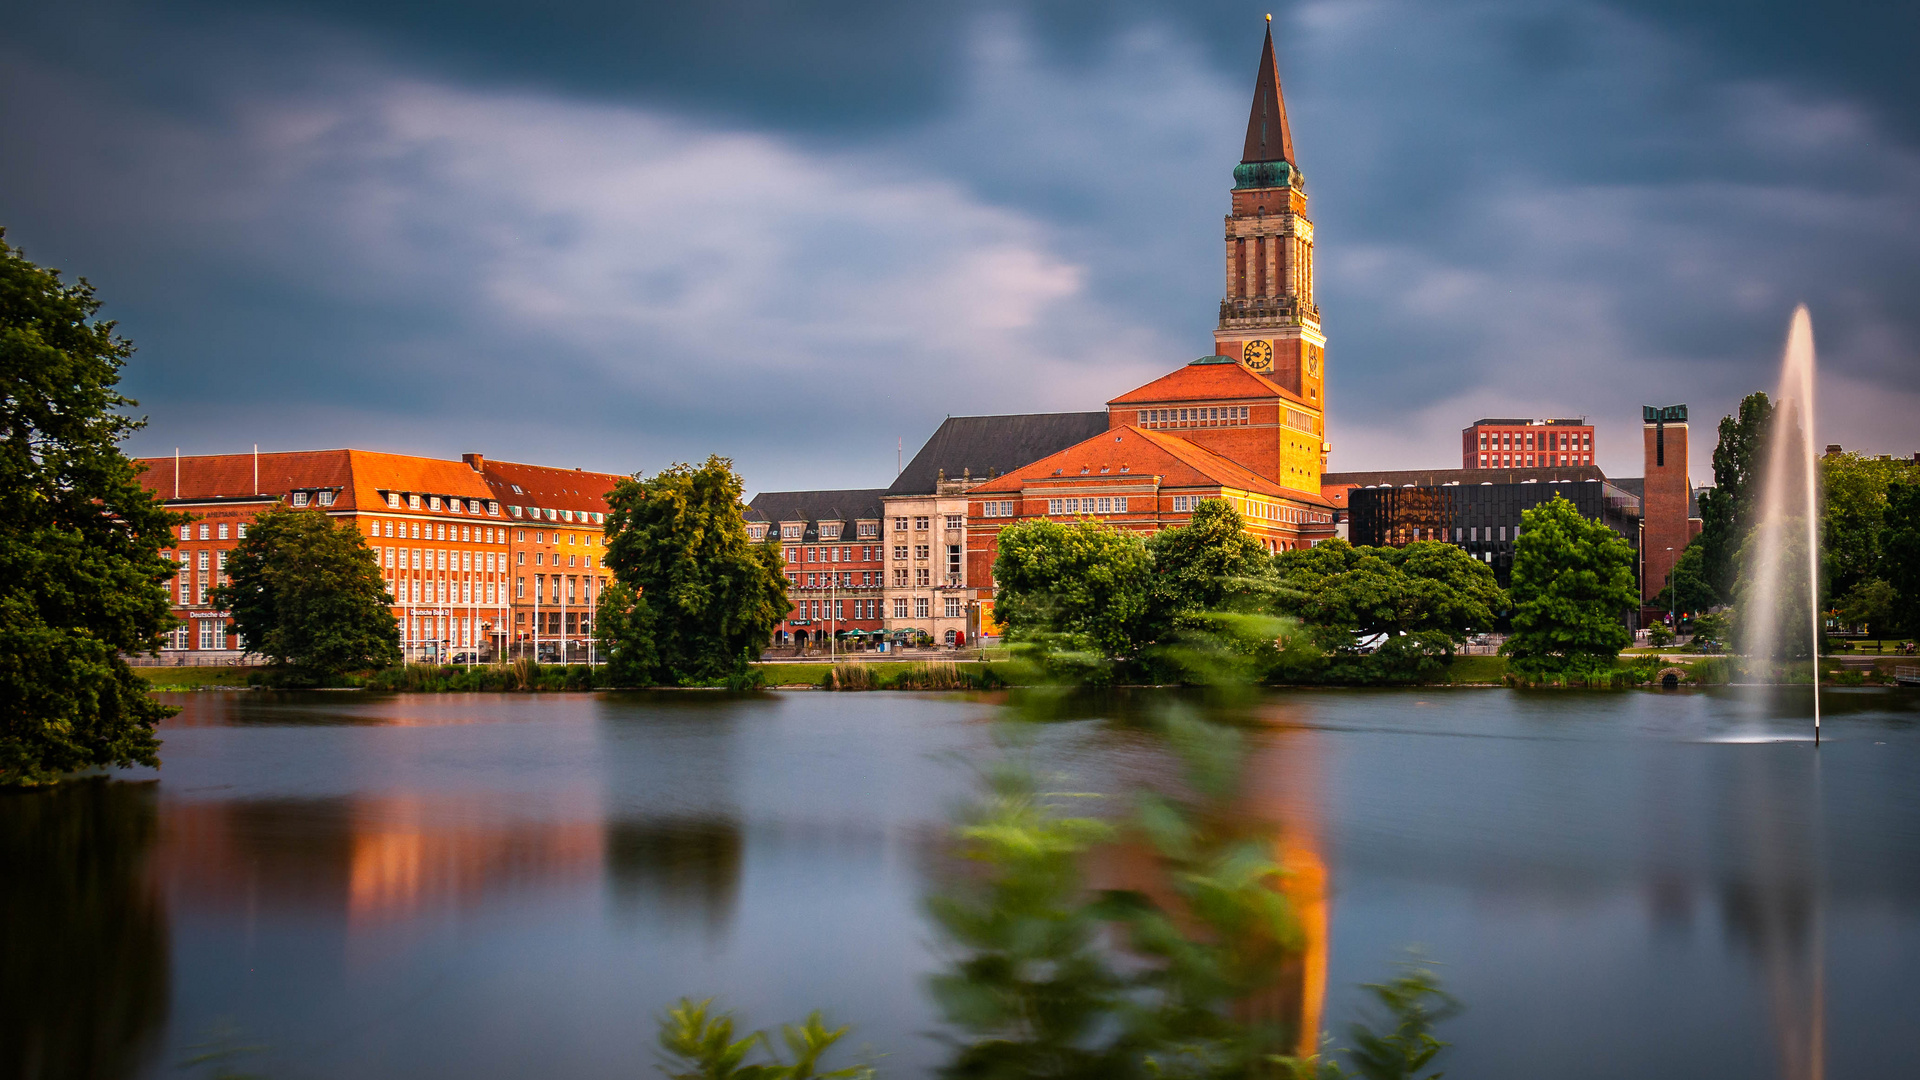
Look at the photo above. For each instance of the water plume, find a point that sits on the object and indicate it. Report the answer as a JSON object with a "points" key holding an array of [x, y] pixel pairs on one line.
{"points": [[1785, 545]]}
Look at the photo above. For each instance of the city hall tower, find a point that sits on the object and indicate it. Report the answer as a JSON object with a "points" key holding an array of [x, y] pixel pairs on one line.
{"points": [[1268, 320]]}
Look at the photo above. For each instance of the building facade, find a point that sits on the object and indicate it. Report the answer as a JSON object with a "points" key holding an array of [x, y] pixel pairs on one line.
{"points": [[433, 525], [1526, 444], [1671, 516], [1483, 518], [557, 546], [831, 543], [931, 589]]}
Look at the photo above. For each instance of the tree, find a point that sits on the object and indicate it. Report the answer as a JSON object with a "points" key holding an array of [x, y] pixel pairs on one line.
{"points": [[1727, 511], [1687, 589], [1082, 586], [306, 593], [1900, 550], [1208, 564], [1872, 604], [1572, 581], [1854, 489], [1425, 587], [80, 540], [698, 599]]}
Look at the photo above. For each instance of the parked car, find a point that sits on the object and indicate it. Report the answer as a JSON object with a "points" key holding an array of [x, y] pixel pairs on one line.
{"points": [[465, 658]]}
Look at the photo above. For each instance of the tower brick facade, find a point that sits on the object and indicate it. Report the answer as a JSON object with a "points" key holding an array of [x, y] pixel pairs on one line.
{"points": [[1667, 498]]}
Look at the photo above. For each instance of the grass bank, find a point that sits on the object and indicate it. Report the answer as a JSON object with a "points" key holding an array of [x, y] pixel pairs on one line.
{"points": [[192, 678]]}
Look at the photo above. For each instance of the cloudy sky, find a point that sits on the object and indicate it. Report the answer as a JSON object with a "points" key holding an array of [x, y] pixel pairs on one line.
{"points": [[616, 235]]}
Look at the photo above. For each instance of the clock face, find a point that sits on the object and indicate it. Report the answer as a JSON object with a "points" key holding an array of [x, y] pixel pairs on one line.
{"points": [[1258, 355]]}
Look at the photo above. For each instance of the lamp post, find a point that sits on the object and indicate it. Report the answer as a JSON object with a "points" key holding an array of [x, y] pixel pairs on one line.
{"points": [[1673, 595]]}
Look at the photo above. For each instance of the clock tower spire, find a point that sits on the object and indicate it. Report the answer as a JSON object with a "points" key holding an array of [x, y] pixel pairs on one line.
{"points": [[1268, 320]]}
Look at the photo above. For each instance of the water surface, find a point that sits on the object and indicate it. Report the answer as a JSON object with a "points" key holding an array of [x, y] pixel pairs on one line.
{"points": [[483, 886]]}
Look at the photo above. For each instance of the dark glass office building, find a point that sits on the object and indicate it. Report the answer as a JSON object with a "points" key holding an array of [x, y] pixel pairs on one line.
{"points": [[1484, 519]]}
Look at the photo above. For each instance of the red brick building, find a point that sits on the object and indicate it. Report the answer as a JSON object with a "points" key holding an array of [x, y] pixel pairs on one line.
{"points": [[1669, 521], [1526, 444], [439, 535], [835, 556], [1246, 425], [557, 547]]}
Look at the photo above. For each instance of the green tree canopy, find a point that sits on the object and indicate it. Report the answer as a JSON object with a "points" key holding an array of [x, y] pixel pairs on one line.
{"points": [[1900, 548], [80, 539], [306, 593], [1087, 583], [1853, 489], [1687, 591], [695, 600], [1208, 565], [1727, 511], [1425, 586], [1572, 583]]}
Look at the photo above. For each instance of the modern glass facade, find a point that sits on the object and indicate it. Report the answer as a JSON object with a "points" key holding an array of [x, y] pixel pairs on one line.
{"points": [[1483, 519]]}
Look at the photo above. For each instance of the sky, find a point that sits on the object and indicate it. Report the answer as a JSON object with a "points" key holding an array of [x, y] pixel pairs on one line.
{"points": [[618, 235]]}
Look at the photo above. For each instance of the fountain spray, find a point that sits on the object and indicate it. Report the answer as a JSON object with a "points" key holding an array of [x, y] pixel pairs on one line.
{"points": [[1790, 443]]}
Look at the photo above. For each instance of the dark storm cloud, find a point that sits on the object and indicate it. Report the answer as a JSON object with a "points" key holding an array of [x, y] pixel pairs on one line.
{"points": [[614, 235]]}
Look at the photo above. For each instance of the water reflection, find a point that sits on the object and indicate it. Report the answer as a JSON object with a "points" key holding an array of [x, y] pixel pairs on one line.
{"points": [[676, 868], [83, 933], [373, 860]]}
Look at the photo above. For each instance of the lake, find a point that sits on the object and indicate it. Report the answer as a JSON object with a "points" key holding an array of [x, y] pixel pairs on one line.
{"points": [[493, 886]]}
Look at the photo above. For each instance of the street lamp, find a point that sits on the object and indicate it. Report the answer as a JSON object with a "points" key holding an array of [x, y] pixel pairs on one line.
{"points": [[1673, 595]]}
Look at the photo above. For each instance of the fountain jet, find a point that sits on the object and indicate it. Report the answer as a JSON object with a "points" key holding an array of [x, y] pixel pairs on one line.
{"points": [[1789, 496]]}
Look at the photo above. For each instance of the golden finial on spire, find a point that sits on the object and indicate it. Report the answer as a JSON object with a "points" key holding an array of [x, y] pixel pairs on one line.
{"points": [[1269, 16]]}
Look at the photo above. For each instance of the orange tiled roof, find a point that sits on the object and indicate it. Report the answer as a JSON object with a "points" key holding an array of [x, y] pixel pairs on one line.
{"points": [[358, 477], [549, 488], [1207, 382], [1178, 462]]}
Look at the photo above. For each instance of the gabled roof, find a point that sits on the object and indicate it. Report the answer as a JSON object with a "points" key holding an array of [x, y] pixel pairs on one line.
{"points": [[549, 488], [358, 476], [855, 504], [990, 445], [1207, 380], [1145, 454], [1268, 136]]}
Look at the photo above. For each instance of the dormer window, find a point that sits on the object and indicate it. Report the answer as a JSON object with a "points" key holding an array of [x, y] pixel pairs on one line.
{"points": [[393, 500], [869, 529], [514, 510], [493, 509], [757, 532], [830, 530], [433, 502], [792, 530], [299, 498], [326, 498], [413, 502]]}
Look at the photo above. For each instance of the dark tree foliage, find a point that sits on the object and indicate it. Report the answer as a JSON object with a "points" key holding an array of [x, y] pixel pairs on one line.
{"points": [[83, 928], [1853, 491], [1727, 511], [80, 540], [307, 594], [1687, 591], [1078, 587], [1427, 598], [695, 600], [1572, 583], [1900, 552], [1210, 564]]}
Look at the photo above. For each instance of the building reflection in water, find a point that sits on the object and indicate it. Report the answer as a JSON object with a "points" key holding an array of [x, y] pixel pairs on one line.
{"points": [[1278, 801], [84, 955], [375, 860]]}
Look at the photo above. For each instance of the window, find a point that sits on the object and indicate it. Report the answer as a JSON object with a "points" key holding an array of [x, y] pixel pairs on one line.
{"points": [[919, 607], [953, 607], [793, 555], [923, 577], [813, 554], [866, 577], [920, 524], [956, 521], [393, 500], [299, 498], [1183, 503], [997, 508], [203, 560], [922, 551], [953, 559], [900, 608], [757, 532], [813, 581], [900, 552], [869, 529], [899, 524], [205, 531], [222, 561], [493, 508], [326, 498], [520, 558], [900, 579], [829, 530]]}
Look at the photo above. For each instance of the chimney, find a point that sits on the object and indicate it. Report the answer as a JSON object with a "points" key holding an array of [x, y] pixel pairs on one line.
{"points": [[476, 462]]}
